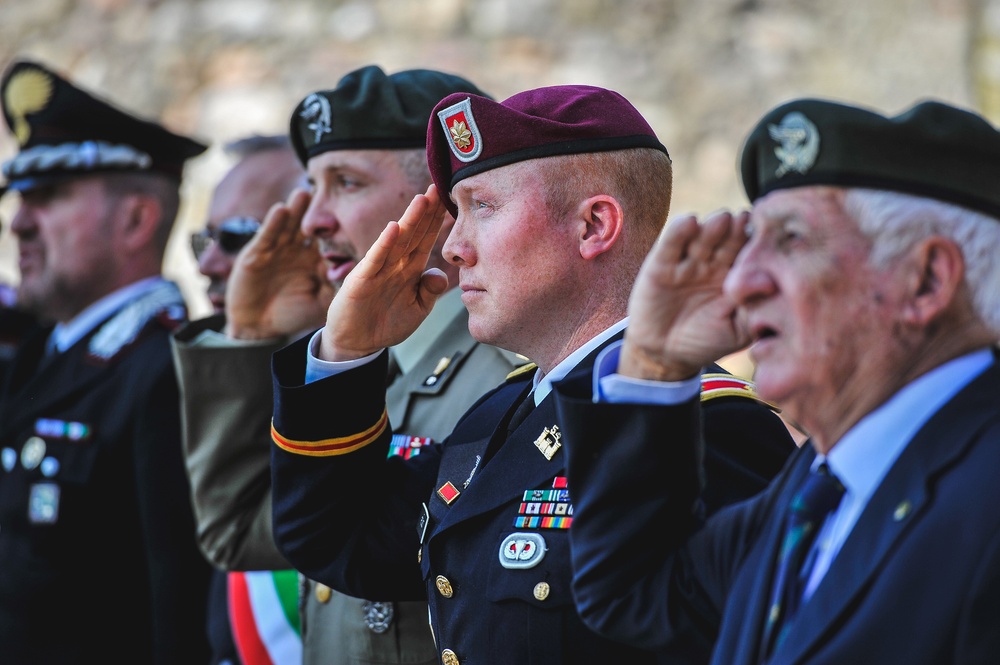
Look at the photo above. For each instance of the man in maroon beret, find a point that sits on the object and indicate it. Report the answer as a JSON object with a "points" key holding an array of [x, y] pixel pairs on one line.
{"points": [[558, 194]]}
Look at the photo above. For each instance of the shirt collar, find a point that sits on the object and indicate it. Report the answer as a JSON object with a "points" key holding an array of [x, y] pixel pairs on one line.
{"points": [[862, 457], [65, 335], [543, 385]]}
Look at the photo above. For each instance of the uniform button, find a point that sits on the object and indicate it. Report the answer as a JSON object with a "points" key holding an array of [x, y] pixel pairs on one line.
{"points": [[541, 591], [448, 657], [444, 588], [323, 593]]}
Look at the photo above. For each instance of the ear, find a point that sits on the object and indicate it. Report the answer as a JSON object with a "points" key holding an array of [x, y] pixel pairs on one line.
{"points": [[939, 274], [139, 222], [603, 217]]}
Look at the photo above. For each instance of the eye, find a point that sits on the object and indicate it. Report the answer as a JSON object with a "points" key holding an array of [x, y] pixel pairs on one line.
{"points": [[348, 182]]}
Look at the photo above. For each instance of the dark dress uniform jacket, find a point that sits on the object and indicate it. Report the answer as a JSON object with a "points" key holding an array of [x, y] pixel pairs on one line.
{"points": [[379, 528], [228, 401], [98, 559], [917, 581]]}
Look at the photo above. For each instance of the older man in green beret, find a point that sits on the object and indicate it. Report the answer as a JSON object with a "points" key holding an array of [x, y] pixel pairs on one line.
{"points": [[866, 282]]}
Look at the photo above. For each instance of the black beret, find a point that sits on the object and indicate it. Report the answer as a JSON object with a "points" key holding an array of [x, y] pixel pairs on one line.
{"points": [[63, 131], [932, 149], [470, 134], [372, 110]]}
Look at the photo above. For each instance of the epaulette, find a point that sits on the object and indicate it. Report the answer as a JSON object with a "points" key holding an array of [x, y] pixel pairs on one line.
{"points": [[161, 304], [728, 385], [526, 368]]}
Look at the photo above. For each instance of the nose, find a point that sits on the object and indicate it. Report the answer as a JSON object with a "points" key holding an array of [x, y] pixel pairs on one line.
{"points": [[457, 250], [319, 221], [23, 224], [214, 263]]}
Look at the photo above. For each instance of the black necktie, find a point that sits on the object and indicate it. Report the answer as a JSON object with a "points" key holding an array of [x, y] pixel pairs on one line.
{"points": [[521, 412], [815, 500]]}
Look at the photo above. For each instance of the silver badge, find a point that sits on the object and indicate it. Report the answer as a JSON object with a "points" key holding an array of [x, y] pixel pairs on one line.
{"points": [[316, 111], [799, 143], [50, 467], [43, 503], [522, 550], [9, 458], [32, 452], [378, 616]]}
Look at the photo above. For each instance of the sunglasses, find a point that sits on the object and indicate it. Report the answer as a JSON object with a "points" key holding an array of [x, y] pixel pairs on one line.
{"points": [[232, 234]]}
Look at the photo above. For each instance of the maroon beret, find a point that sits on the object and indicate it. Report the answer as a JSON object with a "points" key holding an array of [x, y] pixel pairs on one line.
{"points": [[469, 134]]}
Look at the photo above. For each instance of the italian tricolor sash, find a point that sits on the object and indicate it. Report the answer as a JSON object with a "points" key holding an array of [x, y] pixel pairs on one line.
{"points": [[263, 611]]}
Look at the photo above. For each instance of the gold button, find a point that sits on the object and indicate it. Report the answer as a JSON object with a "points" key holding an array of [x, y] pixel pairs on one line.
{"points": [[444, 587], [448, 657], [902, 510], [323, 593], [541, 590], [420, 554]]}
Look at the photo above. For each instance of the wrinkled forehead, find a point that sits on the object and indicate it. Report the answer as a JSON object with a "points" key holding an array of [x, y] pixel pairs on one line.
{"points": [[812, 206]]}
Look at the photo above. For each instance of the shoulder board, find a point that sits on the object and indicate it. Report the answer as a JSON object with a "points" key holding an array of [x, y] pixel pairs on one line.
{"points": [[727, 385], [523, 370]]}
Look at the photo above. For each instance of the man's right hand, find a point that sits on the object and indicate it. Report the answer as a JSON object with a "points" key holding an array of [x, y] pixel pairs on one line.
{"points": [[679, 318], [278, 285], [390, 291]]}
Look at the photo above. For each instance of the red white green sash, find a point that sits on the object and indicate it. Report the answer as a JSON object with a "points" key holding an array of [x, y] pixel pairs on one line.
{"points": [[263, 611]]}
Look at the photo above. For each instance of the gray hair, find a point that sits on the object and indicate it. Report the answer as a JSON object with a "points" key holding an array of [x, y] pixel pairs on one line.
{"points": [[895, 222]]}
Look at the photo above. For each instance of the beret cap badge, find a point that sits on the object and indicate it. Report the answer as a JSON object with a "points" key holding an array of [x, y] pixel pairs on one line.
{"points": [[798, 143], [29, 91], [460, 126]]}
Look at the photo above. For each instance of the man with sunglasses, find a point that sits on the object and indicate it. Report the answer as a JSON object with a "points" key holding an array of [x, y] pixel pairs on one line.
{"points": [[265, 170]]}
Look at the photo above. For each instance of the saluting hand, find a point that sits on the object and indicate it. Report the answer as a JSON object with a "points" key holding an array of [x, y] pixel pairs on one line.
{"points": [[679, 319], [278, 285], [391, 291]]}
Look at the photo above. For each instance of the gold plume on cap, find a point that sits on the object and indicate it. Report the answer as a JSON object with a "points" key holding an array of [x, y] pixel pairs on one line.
{"points": [[28, 91]]}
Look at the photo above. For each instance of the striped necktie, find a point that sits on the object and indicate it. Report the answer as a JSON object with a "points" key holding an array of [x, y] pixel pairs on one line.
{"points": [[816, 499]]}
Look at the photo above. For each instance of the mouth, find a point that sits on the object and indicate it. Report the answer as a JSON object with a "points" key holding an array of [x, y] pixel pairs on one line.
{"points": [[338, 267]]}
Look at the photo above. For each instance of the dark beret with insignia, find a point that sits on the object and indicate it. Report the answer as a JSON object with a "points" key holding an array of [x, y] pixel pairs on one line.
{"points": [[470, 134], [370, 109], [63, 131], [932, 149]]}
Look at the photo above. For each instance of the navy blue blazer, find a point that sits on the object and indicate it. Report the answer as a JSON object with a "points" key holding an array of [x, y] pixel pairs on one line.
{"points": [[98, 557], [916, 582], [453, 525]]}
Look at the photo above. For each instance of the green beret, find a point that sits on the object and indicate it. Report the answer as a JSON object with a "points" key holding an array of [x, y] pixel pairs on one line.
{"points": [[63, 131], [932, 149], [372, 110]]}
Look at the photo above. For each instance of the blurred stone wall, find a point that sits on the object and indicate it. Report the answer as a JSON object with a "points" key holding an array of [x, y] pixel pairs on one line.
{"points": [[701, 71]]}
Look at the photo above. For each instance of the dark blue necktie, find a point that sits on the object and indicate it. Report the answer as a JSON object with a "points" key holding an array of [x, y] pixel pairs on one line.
{"points": [[817, 498]]}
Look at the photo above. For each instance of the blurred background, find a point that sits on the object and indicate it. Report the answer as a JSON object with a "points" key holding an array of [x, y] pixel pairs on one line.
{"points": [[701, 71]]}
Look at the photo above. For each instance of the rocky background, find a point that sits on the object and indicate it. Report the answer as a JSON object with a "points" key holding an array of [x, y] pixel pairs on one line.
{"points": [[701, 71]]}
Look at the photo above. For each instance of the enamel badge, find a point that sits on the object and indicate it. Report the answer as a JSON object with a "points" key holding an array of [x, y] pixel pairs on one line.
{"points": [[798, 143], [522, 550], [461, 130]]}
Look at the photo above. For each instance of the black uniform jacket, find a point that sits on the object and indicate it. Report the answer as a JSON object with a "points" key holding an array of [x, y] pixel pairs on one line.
{"points": [[478, 525], [917, 581], [98, 558]]}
